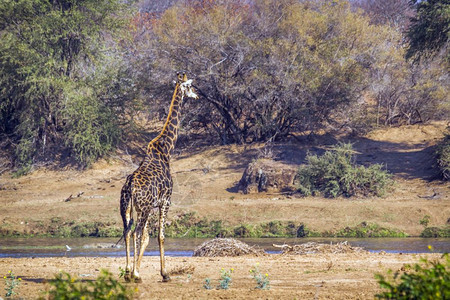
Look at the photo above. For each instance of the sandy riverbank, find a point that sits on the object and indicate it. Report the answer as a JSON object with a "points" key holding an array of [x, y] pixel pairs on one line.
{"points": [[313, 276]]}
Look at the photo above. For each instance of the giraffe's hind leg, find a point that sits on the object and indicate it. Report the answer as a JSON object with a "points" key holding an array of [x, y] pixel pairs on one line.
{"points": [[162, 222], [126, 213], [141, 239]]}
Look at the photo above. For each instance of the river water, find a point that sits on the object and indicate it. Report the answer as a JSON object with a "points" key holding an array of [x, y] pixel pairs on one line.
{"points": [[51, 247]]}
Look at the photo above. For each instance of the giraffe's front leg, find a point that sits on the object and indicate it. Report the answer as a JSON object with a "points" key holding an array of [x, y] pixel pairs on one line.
{"points": [[162, 222]]}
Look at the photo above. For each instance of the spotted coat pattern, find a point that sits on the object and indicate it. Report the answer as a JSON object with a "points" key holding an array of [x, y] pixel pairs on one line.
{"points": [[148, 189]]}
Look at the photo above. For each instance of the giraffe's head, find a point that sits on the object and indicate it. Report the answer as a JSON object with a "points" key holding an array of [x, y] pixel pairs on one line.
{"points": [[186, 86]]}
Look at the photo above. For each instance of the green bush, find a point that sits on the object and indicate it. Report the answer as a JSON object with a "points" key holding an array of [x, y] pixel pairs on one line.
{"points": [[246, 231], [91, 130], [225, 279], [85, 229], [443, 157], [429, 280], [365, 230], [436, 232], [65, 287], [262, 281], [190, 226], [63, 90], [334, 174]]}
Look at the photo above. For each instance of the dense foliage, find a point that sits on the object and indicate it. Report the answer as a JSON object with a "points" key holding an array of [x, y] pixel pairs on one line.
{"points": [[267, 68], [436, 232], [73, 73], [335, 173], [428, 280], [443, 157], [430, 29], [365, 230], [60, 78]]}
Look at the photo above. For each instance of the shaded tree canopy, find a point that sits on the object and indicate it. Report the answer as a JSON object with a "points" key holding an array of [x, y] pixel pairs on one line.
{"points": [[430, 29]]}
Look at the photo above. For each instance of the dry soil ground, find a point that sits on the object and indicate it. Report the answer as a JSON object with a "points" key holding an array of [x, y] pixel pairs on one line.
{"points": [[204, 181], [313, 276]]}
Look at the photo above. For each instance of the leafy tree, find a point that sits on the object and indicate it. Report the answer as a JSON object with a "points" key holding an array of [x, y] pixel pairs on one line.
{"points": [[54, 59], [443, 157], [430, 29], [264, 68], [407, 93], [396, 13]]}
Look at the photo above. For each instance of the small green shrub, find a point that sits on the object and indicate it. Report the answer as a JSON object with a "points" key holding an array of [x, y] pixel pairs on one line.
{"points": [[443, 157], [122, 272], [207, 284], [110, 231], [436, 232], [429, 280], [64, 286], [365, 230], [22, 170], [262, 281], [225, 279], [190, 226], [274, 228], [244, 231], [425, 221], [11, 284], [334, 174], [85, 229]]}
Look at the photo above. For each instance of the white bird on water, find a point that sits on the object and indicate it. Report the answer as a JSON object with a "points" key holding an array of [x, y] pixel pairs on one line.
{"points": [[68, 248]]}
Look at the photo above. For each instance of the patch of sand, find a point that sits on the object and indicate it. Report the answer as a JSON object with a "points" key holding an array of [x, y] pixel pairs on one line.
{"points": [[313, 276]]}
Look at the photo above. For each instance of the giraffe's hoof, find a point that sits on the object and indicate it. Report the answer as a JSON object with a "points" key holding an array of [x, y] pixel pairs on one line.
{"points": [[127, 277], [166, 278], [137, 279]]}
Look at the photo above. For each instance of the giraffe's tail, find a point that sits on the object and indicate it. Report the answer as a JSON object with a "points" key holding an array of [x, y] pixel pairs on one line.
{"points": [[129, 185], [125, 232]]}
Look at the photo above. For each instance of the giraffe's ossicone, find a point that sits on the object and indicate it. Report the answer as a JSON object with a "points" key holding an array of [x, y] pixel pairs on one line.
{"points": [[148, 189]]}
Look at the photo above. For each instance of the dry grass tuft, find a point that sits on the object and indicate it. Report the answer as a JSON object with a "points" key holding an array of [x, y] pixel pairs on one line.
{"points": [[226, 247], [180, 270], [312, 247]]}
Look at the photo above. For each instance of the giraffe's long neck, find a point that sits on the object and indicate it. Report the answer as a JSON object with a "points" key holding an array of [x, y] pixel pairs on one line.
{"points": [[169, 133]]}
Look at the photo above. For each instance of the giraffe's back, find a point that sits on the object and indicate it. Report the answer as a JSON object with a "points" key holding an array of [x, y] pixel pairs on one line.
{"points": [[151, 186]]}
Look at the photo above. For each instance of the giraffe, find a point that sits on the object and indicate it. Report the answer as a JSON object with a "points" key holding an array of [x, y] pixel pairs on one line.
{"points": [[149, 188]]}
